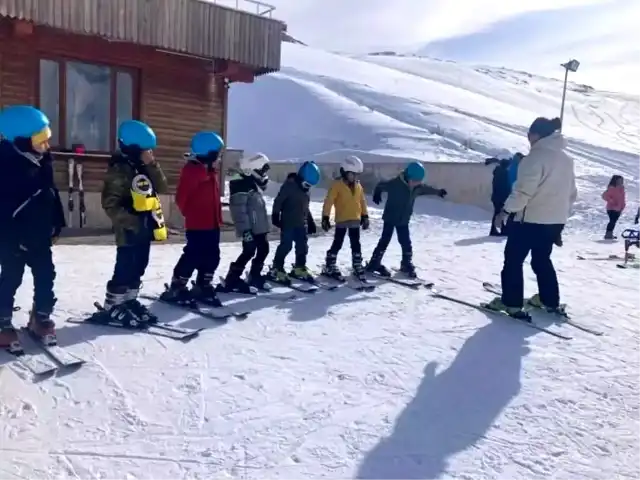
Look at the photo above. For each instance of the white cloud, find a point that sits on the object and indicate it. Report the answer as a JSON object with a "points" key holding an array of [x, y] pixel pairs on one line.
{"points": [[601, 32]]}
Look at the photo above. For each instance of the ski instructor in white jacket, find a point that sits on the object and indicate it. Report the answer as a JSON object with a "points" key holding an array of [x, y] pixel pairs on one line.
{"points": [[540, 201]]}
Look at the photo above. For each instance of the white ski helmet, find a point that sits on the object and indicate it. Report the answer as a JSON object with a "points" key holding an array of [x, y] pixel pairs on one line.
{"points": [[254, 165], [352, 164]]}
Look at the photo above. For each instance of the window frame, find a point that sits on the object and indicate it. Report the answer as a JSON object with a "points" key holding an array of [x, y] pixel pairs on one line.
{"points": [[62, 61]]}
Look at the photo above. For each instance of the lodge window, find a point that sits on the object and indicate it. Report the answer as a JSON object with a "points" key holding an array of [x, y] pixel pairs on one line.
{"points": [[85, 102]]}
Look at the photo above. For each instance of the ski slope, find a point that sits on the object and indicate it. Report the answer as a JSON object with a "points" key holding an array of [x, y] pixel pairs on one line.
{"points": [[389, 384]]}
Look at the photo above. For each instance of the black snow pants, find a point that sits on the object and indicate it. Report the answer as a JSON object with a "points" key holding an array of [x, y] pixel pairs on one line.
{"points": [[537, 239], [13, 261], [201, 253], [258, 250]]}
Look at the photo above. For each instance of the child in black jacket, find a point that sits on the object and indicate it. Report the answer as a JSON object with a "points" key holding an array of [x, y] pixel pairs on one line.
{"points": [[401, 196], [31, 218]]}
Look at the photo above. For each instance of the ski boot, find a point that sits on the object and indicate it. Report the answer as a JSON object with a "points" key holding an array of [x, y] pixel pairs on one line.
{"points": [[256, 280], [279, 276], [116, 310], [9, 340], [497, 306], [356, 267], [609, 236], [331, 270], [178, 294], [204, 292], [375, 266], [140, 310], [303, 274], [407, 268], [233, 282], [535, 302], [40, 325]]}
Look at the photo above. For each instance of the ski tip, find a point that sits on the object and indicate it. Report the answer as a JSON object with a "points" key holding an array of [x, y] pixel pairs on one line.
{"points": [[429, 285]]}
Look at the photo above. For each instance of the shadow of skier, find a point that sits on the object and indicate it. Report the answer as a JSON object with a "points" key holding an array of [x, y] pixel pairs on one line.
{"points": [[454, 408]]}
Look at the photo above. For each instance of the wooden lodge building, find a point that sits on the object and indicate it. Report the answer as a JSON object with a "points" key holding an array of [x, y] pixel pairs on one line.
{"points": [[90, 64]]}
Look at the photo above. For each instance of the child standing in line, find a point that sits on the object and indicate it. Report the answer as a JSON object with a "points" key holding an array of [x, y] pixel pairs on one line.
{"points": [[198, 198], [31, 218], [347, 196], [616, 201], [292, 216], [130, 199], [252, 223], [401, 196]]}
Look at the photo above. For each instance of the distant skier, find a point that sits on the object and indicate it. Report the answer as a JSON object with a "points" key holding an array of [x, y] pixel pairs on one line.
{"points": [[130, 199], [616, 201], [252, 222], [291, 215], [31, 219], [198, 198], [347, 196], [401, 195], [500, 190], [541, 200]]}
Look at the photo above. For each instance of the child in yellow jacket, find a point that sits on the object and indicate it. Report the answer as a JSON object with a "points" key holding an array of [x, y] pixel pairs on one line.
{"points": [[346, 195]]}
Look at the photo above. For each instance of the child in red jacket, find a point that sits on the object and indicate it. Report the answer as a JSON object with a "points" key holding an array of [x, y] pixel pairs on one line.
{"points": [[616, 201], [198, 198]]}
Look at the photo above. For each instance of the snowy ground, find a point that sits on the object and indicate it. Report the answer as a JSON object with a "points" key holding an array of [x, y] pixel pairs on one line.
{"points": [[390, 384]]}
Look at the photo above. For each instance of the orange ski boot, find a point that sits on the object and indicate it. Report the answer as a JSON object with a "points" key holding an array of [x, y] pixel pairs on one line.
{"points": [[41, 326]]}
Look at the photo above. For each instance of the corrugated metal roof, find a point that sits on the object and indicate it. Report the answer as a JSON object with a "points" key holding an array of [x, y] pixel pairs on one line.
{"points": [[190, 26]]}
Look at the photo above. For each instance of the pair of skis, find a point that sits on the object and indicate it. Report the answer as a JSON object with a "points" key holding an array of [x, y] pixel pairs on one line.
{"points": [[629, 262], [564, 319], [42, 359]]}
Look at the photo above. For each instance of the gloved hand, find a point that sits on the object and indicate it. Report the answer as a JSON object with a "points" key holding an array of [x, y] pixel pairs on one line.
{"points": [[377, 198], [442, 193], [276, 219], [364, 222], [501, 219], [311, 226], [326, 225], [247, 236]]}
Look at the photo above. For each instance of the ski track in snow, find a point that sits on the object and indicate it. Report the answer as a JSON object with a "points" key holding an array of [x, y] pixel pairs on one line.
{"points": [[389, 384]]}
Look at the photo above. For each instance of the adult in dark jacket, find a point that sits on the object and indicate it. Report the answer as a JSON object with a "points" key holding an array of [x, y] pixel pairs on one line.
{"points": [[501, 188], [31, 218], [290, 213], [401, 196]]}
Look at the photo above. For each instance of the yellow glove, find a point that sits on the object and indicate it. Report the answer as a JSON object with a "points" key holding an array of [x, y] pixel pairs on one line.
{"points": [[160, 232]]}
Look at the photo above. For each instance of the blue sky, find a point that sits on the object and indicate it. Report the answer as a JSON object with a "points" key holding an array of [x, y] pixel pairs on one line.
{"points": [[532, 36]]}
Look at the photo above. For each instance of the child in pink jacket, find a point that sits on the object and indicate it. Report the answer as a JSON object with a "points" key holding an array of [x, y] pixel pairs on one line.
{"points": [[615, 198]]}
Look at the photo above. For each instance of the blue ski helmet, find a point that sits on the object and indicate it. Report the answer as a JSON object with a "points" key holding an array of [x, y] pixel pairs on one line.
{"points": [[415, 171], [24, 121], [133, 133], [309, 173], [203, 143]]}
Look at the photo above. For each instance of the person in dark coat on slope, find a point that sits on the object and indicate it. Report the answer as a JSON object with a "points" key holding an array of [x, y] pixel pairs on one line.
{"points": [[291, 214], [501, 188], [31, 219], [401, 196]]}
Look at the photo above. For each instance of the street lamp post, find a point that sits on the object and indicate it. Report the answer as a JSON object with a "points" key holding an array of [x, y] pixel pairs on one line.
{"points": [[570, 66]]}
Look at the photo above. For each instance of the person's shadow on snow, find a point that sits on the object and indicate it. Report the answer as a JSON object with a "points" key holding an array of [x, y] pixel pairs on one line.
{"points": [[453, 408]]}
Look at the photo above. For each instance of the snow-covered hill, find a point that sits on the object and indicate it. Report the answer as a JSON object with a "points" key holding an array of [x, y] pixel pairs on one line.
{"points": [[433, 110]]}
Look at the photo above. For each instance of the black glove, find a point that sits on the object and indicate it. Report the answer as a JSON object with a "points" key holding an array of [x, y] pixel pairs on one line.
{"points": [[377, 198], [311, 227], [247, 236], [326, 225], [364, 222], [276, 220], [442, 193]]}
